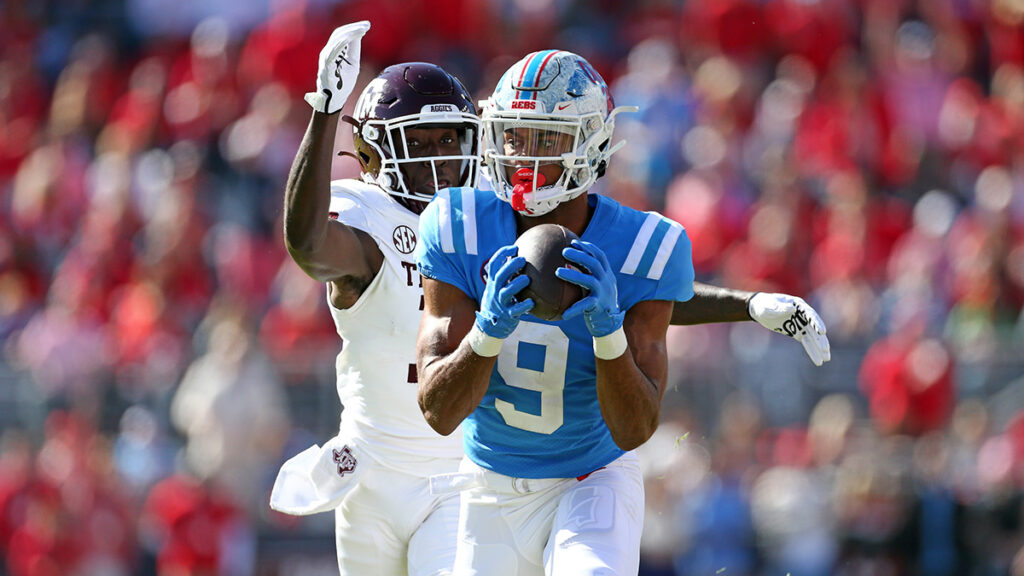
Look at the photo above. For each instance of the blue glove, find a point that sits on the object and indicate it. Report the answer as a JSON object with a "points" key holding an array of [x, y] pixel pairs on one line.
{"points": [[499, 312], [600, 308]]}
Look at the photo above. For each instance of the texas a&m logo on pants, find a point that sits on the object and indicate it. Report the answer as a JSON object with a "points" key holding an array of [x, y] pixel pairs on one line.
{"points": [[345, 460]]}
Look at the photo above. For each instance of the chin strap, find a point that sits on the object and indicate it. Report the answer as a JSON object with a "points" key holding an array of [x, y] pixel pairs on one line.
{"points": [[524, 184]]}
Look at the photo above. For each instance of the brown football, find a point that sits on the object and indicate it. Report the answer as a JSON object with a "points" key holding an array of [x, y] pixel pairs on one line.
{"points": [[542, 246]]}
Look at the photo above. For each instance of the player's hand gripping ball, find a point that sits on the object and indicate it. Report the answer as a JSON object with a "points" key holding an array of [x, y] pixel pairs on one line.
{"points": [[542, 247]]}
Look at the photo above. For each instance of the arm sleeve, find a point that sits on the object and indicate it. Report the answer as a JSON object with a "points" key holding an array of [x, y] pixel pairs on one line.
{"points": [[433, 259], [348, 212], [676, 283]]}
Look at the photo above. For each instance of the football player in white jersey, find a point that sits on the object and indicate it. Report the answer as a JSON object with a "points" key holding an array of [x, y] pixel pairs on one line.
{"points": [[551, 410], [415, 131]]}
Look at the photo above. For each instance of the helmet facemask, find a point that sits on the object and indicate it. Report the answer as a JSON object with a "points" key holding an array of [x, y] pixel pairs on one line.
{"points": [[514, 141], [389, 140]]}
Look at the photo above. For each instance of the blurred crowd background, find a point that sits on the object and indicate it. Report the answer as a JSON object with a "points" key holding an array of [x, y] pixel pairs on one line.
{"points": [[161, 355]]}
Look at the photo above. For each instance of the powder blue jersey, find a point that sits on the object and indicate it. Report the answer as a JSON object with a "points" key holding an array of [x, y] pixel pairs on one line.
{"points": [[540, 417]]}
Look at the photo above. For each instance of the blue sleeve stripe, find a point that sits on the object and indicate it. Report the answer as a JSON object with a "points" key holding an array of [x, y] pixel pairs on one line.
{"points": [[668, 245], [456, 218], [444, 220], [651, 250], [636, 252]]}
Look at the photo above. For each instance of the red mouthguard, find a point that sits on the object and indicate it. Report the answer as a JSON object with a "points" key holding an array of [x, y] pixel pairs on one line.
{"points": [[524, 185]]}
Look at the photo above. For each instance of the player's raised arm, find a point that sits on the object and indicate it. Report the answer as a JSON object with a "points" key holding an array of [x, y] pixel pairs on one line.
{"points": [[782, 313], [325, 249], [457, 345]]}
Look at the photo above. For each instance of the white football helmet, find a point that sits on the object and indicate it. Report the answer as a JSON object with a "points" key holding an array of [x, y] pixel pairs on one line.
{"points": [[551, 107]]}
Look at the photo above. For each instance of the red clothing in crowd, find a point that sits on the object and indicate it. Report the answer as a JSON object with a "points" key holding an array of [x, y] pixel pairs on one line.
{"points": [[909, 384], [191, 522]]}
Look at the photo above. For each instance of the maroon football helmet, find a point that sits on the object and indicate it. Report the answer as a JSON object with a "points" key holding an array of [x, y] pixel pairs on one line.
{"points": [[413, 166]]}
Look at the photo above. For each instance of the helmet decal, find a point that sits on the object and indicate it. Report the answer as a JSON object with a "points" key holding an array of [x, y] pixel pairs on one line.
{"points": [[529, 79]]}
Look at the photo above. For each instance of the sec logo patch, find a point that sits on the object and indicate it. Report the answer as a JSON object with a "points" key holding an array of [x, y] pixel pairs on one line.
{"points": [[404, 239]]}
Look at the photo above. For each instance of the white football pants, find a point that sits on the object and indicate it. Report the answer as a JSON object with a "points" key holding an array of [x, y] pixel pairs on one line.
{"points": [[391, 525], [552, 527]]}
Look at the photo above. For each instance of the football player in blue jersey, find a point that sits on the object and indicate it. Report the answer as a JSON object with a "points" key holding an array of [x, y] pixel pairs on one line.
{"points": [[551, 410]]}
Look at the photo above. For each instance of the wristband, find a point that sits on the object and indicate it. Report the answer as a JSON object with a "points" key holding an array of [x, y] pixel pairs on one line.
{"points": [[749, 298], [482, 344], [611, 346]]}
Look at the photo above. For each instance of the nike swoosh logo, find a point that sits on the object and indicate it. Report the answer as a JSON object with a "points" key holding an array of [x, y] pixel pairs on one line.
{"points": [[564, 106]]}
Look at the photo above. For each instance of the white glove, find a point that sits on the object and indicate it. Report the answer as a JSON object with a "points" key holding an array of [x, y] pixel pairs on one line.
{"points": [[793, 317], [339, 68]]}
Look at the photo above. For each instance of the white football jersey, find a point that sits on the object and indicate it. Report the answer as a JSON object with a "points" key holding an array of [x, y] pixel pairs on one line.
{"points": [[377, 364]]}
